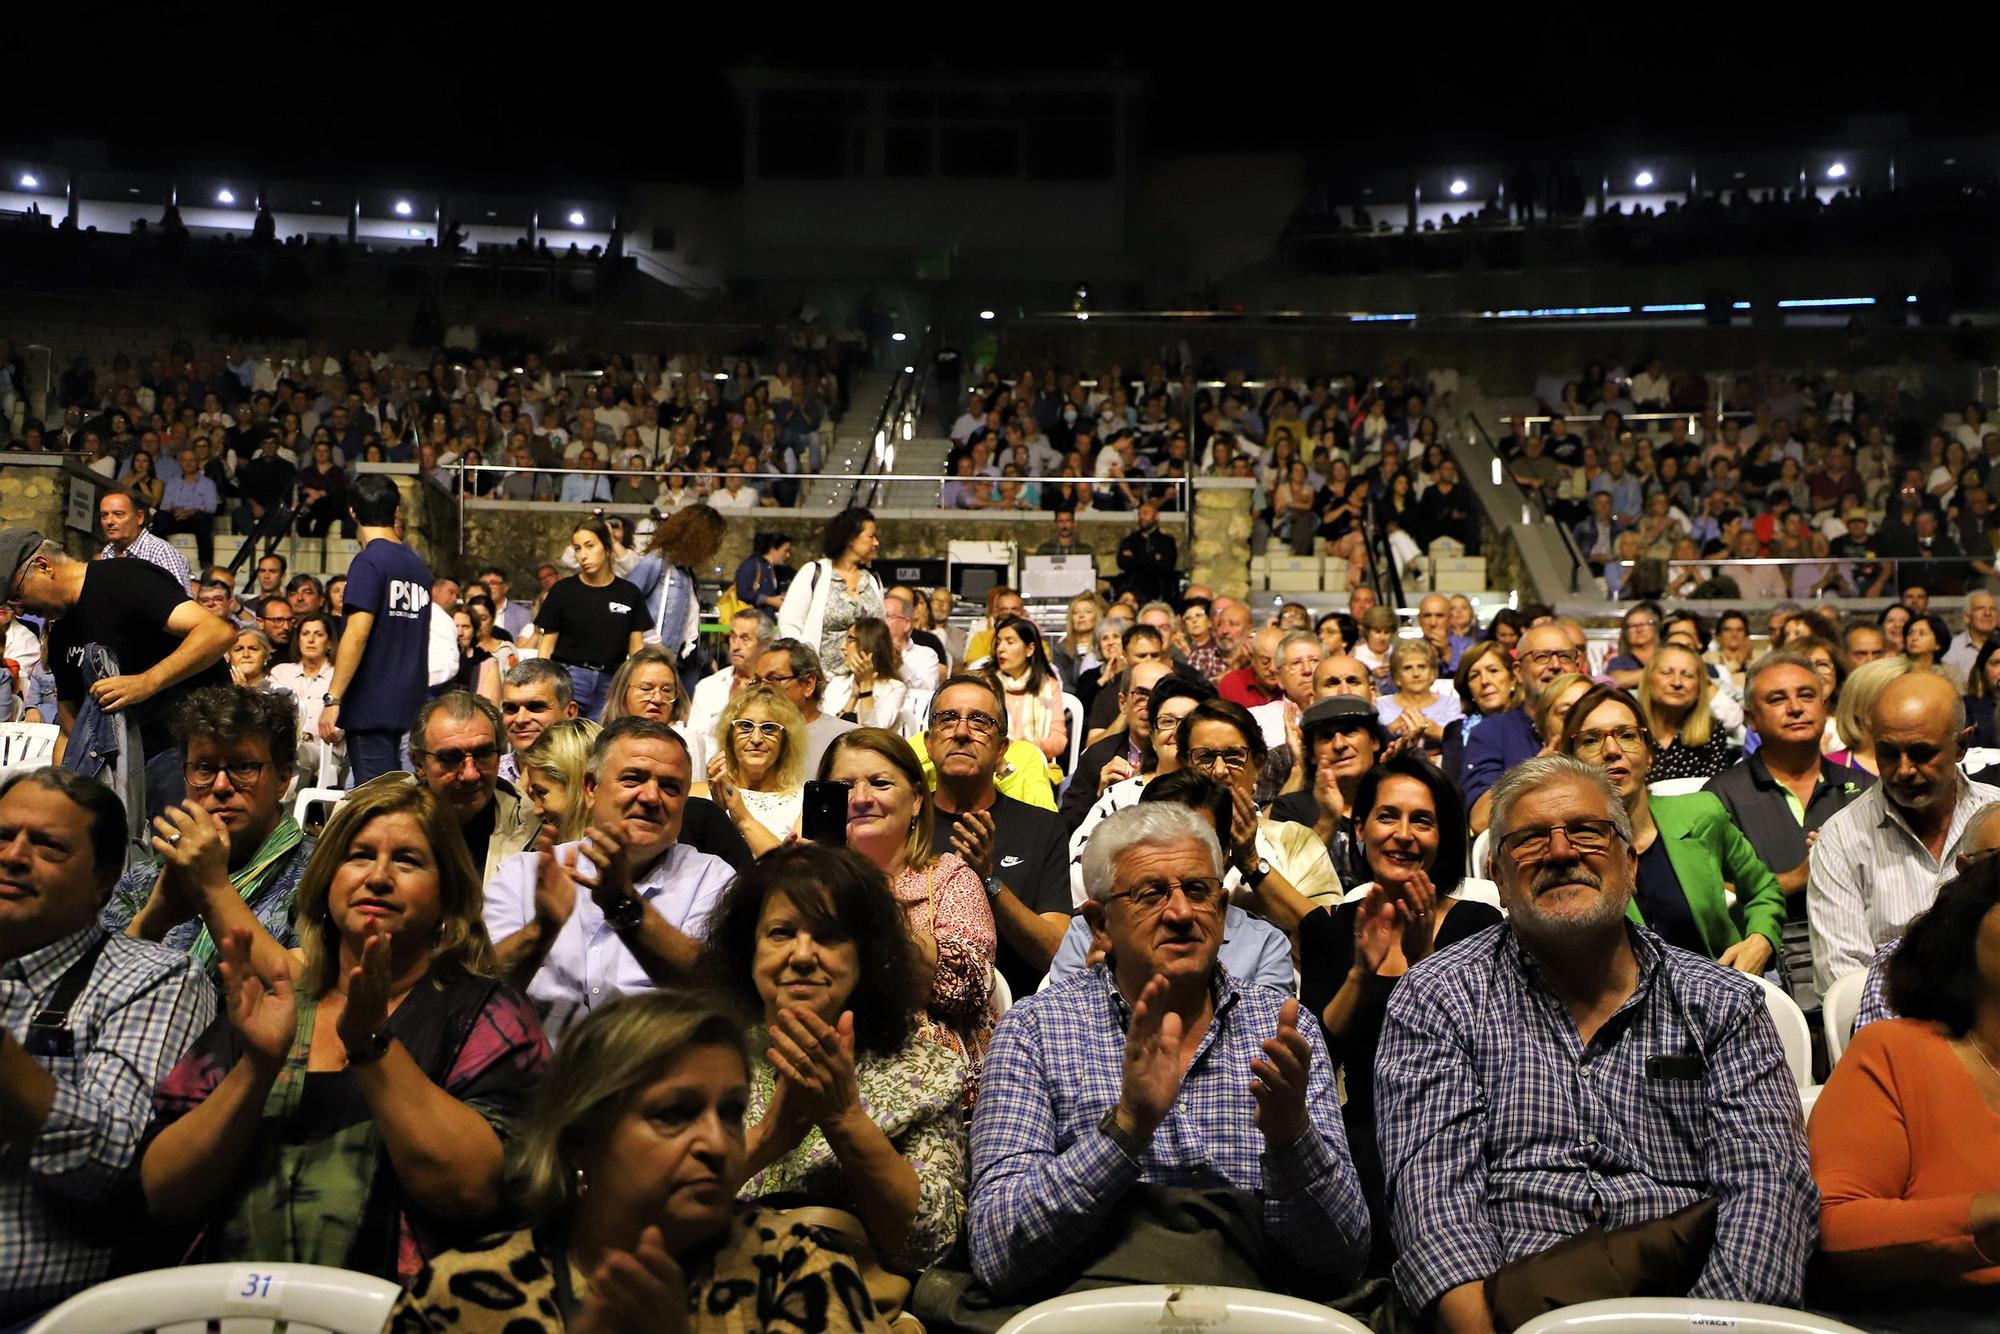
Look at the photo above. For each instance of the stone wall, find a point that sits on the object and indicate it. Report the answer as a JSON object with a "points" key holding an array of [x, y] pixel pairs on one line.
{"points": [[35, 494]]}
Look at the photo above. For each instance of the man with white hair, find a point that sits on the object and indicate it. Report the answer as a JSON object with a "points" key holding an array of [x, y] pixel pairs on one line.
{"points": [[1982, 616], [1157, 1068], [1566, 1070]]}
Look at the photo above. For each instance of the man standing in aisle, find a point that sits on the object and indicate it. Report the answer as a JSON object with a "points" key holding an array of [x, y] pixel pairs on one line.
{"points": [[1148, 557], [379, 670], [123, 514]]}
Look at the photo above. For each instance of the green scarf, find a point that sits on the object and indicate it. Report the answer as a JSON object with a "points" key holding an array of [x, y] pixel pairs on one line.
{"points": [[258, 872]]}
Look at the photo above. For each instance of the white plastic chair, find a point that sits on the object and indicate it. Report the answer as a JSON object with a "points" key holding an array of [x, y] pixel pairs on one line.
{"points": [[1073, 714], [24, 744], [1679, 1315], [1676, 787], [1808, 1099], [248, 1296], [1793, 1030], [1480, 846], [1838, 1010], [303, 803], [1000, 996], [1156, 1306]]}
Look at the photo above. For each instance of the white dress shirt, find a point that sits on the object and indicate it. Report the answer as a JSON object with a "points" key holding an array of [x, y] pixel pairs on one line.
{"points": [[588, 964], [1869, 875]]}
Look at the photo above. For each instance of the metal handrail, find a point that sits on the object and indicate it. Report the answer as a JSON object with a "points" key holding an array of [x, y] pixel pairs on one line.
{"points": [[823, 476]]}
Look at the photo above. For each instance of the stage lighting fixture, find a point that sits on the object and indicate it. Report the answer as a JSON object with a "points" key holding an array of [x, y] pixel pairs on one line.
{"points": [[576, 218], [403, 209], [1837, 171], [225, 196], [1459, 187], [28, 182], [1643, 180], [985, 314]]}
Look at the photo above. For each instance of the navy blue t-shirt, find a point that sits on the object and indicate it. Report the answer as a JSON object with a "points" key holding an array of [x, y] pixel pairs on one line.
{"points": [[390, 581]]}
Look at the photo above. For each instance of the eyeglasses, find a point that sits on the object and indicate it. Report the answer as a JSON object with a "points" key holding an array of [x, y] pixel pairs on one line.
{"points": [[1232, 759], [1150, 896], [774, 681], [745, 727], [242, 773], [453, 760], [1167, 724], [1589, 838], [664, 690], [982, 724], [1590, 745], [1542, 657]]}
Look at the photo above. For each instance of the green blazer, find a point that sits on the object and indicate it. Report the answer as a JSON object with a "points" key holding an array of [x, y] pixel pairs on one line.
{"points": [[1708, 852]]}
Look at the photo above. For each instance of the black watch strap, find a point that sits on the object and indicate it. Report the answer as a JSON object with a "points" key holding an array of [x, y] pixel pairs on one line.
{"points": [[372, 1050], [626, 915]]}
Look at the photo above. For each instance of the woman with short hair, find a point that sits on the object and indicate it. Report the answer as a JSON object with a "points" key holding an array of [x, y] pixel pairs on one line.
{"points": [[757, 772]]}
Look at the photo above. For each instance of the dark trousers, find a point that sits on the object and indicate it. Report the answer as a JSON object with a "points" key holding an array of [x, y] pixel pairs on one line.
{"points": [[202, 526], [371, 753]]}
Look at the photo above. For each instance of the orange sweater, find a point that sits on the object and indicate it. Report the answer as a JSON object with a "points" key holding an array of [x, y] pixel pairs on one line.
{"points": [[1901, 1141]]}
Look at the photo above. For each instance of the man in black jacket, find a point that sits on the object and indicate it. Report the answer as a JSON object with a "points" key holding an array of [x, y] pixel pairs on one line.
{"points": [[1122, 753], [1148, 558]]}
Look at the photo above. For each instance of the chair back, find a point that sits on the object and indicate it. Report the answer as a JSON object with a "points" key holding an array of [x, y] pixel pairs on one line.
{"points": [[1838, 1010], [250, 1298], [1179, 1307], [27, 745], [1793, 1030], [1000, 996], [308, 797], [1074, 715], [1678, 1315]]}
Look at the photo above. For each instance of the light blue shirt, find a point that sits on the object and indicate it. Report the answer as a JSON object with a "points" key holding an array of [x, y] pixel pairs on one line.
{"points": [[588, 965], [195, 494], [1252, 950], [585, 488]]}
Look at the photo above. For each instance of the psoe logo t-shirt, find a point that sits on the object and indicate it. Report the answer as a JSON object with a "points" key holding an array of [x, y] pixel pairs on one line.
{"points": [[619, 609], [407, 598]]}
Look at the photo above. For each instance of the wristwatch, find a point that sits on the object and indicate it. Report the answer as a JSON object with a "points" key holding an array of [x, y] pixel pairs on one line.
{"points": [[329, 699], [1255, 875], [373, 1049], [626, 914], [993, 886], [1134, 1145]]}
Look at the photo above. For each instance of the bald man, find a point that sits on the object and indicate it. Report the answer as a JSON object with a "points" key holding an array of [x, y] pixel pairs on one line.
{"points": [[1434, 620], [1504, 740], [1879, 863], [1981, 839], [1256, 682], [1342, 674]]}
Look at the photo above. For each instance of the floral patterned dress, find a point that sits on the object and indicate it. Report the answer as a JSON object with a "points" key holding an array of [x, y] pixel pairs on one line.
{"points": [[946, 902]]}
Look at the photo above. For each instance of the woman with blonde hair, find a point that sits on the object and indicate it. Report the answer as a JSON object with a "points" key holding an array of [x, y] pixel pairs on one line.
{"points": [[871, 692], [1552, 707], [943, 900], [552, 776], [1674, 692], [629, 1166], [647, 685], [758, 771], [1864, 685], [1076, 653], [352, 1105]]}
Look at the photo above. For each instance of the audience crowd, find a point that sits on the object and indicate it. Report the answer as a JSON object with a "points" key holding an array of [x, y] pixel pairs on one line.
{"points": [[852, 978]]}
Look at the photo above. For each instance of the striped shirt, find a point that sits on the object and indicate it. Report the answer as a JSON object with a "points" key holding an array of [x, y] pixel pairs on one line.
{"points": [[1047, 1182], [1870, 875], [148, 546], [1502, 1133], [142, 1007]]}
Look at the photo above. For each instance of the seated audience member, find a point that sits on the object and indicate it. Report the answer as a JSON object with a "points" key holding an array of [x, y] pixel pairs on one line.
{"points": [[871, 692], [455, 747], [1344, 738], [1112, 1094], [1486, 688], [1017, 850], [1854, 709], [1674, 692], [1415, 713], [552, 778], [630, 1161], [1034, 691], [1906, 1135], [852, 1108], [623, 908], [307, 679], [793, 670], [240, 745], [1688, 852], [1168, 703], [757, 770], [1252, 949], [1123, 752], [1505, 739], [1552, 708], [1638, 637], [1137, 644], [889, 819], [1783, 793], [1256, 682], [347, 1119], [1412, 832], [92, 1021], [534, 693], [1981, 841], [1299, 656], [747, 634], [1878, 863], [1681, 1102], [647, 685]]}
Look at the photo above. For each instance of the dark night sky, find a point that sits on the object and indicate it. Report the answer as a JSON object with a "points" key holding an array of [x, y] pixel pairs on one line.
{"points": [[469, 106]]}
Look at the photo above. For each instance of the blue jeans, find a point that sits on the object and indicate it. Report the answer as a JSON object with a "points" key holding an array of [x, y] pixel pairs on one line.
{"points": [[372, 753], [588, 687]]}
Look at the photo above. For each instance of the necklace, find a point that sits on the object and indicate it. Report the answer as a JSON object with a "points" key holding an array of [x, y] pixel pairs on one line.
{"points": [[1980, 1048]]}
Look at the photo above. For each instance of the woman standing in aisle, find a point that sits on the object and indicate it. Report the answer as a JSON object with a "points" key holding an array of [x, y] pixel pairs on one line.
{"points": [[593, 620]]}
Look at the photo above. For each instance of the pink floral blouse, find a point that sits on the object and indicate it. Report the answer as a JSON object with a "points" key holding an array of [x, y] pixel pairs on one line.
{"points": [[946, 901]]}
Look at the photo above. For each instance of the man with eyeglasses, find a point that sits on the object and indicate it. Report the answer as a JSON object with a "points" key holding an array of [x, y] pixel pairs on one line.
{"points": [[1505, 739], [455, 749], [509, 616], [534, 693], [234, 836], [156, 635], [1017, 849], [1567, 1070], [747, 636], [625, 907], [1343, 737], [790, 667], [275, 619], [923, 671], [1118, 754], [1156, 1067]]}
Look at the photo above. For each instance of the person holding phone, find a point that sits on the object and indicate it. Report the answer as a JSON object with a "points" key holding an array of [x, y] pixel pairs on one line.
{"points": [[757, 774]]}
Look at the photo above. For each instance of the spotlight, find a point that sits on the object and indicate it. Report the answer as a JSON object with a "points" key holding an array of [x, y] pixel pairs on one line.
{"points": [[1459, 186], [1837, 171], [28, 181], [1083, 314], [402, 208], [985, 314], [416, 233], [898, 336], [576, 218], [1643, 179], [225, 196], [909, 370]]}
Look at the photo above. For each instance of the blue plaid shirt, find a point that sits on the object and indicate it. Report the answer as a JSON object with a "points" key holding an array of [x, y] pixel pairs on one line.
{"points": [[143, 1007], [1046, 1180], [1502, 1134]]}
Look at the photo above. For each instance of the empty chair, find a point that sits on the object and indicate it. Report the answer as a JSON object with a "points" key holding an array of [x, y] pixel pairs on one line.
{"points": [[249, 1297], [1163, 1307]]}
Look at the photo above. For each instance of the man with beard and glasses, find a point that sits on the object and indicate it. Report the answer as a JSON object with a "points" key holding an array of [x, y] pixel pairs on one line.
{"points": [[1566, 1070], [1879, 862]]}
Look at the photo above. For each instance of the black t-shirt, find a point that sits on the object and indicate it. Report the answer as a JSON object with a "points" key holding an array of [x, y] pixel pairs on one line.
{"points": [[931, 642], [1031, 857], [594, 626], [706, 827], [124, 606]]}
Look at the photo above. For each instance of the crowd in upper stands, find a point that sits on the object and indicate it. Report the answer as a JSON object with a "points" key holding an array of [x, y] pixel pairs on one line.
{"points": [[881, 963]]}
